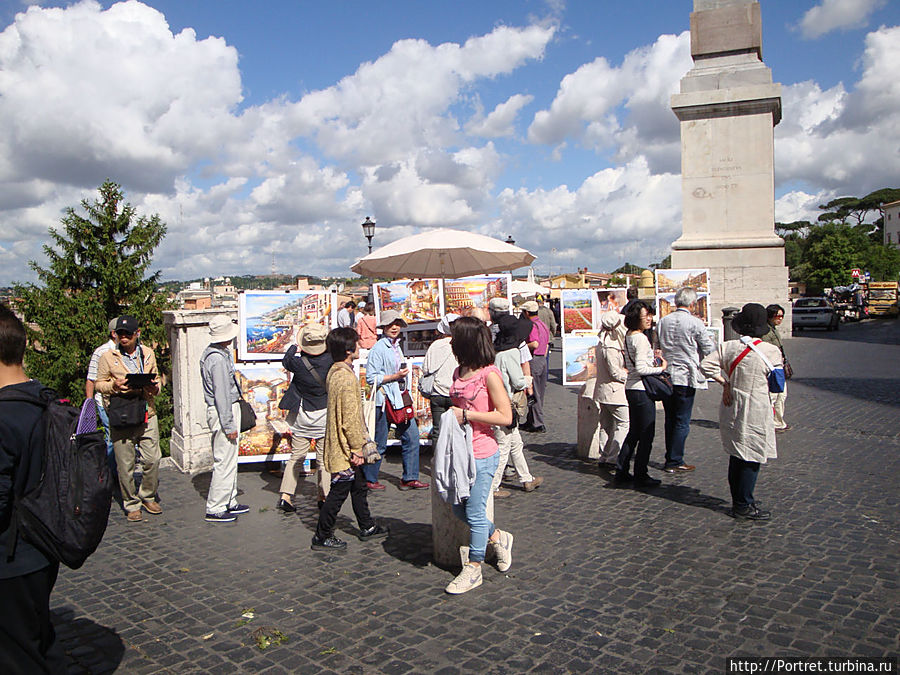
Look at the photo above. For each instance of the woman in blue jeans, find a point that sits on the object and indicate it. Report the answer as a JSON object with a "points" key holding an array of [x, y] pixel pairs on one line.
{"points": [[480, 400], [639, 361], [385, 370]]}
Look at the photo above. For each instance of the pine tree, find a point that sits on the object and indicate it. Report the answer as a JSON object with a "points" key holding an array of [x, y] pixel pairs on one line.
{"points": [[96, 271]]}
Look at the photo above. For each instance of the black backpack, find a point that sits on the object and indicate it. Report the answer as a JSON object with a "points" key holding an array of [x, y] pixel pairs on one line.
{"points": [[64, 516]]}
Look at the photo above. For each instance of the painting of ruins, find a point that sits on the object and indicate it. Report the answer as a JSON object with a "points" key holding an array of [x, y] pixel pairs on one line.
{"points": [[669, 281], [417, 300], [269, 321], [263, 385], [665, 304], [462, 295]]}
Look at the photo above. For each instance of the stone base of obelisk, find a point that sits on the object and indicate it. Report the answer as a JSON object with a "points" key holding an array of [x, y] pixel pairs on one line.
{"points": [[448, 532], [740, 275]]}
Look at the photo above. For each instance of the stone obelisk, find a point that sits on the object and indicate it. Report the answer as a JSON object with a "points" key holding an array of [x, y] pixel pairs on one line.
{"points": [[728, 108]]}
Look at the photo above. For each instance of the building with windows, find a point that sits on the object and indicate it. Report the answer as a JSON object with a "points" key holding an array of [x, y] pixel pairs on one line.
{"points": [[891, 213]]}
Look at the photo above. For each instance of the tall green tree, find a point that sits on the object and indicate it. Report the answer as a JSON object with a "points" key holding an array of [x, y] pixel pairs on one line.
{"points": [[97, 269]]}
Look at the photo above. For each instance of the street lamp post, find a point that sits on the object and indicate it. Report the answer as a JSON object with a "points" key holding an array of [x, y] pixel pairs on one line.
{"points": [[511, 242], [369, 231]]}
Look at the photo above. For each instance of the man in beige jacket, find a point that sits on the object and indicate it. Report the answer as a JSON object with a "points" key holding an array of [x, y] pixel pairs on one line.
{"points": [[129, 430]]}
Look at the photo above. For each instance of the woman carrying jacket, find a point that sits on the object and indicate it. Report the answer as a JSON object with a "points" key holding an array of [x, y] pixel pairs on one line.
{"points": [[641, 408], [746, 424], [609, 389], [305, 400]]}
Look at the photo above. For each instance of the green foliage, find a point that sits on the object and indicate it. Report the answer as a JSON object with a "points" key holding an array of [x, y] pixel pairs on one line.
{"points": [[96, 271], [628, 268], [664, 264]]}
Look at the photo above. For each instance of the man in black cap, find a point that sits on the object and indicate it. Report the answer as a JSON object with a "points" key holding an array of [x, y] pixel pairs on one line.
{"points": [[132, 416]]}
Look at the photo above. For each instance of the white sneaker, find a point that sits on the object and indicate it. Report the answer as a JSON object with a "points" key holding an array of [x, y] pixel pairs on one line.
{"points": [[463, 556], [503, 549], [469, 578]]}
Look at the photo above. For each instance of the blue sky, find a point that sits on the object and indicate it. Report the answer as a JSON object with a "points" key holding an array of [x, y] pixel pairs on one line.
{"points": [[256, 129]]}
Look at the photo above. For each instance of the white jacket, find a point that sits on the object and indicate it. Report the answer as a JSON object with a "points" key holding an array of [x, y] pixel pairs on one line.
{"points": [[453, 468]]}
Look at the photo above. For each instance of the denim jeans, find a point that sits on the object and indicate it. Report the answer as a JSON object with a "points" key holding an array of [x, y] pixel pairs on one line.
{"points": [[678, 409], [110, 455], [474, 510], [408, 434], [641, 428], [742, 477]]}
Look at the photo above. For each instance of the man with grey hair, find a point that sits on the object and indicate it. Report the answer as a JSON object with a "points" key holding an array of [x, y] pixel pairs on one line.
{"points": [[684, 342]]}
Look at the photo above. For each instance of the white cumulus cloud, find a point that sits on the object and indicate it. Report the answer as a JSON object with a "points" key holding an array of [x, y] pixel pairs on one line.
{"points": [[831, 15]]}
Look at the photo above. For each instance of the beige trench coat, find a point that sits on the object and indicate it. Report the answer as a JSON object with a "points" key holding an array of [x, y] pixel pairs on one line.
{"points": [[747, 426]]}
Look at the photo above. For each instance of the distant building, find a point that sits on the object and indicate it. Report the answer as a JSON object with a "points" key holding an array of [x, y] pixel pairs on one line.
{"points": [[891, 223], [195, 296]]}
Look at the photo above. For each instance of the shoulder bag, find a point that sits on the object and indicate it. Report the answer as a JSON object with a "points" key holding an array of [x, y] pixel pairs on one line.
{"points": [[426, 384], [788, 371], [658, 387], [400, 415], [775, 377], [248, 416]]}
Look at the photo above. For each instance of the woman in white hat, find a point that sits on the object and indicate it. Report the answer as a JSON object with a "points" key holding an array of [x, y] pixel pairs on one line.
{"points": [[307, 404]]}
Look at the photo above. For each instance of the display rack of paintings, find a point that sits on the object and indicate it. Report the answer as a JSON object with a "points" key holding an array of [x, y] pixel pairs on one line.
{"points": [[263, 385], [416, 339], [579, 357], [269, 320], [577, 309], [668, 282]]}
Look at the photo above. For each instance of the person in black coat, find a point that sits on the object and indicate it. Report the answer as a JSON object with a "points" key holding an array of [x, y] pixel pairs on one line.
{"points": [[307, 403]]}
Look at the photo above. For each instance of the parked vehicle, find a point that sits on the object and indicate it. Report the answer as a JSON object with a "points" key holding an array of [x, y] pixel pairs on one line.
{"points": [[815, 313], [883, 298]]}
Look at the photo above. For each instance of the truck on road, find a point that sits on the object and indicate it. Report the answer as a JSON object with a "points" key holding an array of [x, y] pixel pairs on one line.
{"points": [[883, 299]]}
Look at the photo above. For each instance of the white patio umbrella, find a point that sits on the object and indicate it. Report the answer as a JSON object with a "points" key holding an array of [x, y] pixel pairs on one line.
{"points": [[527, 288], [442, 253]]}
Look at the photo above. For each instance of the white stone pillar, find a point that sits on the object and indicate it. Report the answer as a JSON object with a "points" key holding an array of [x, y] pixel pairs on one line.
{"points": [[728, 107], [448, 532], [188, 333]]}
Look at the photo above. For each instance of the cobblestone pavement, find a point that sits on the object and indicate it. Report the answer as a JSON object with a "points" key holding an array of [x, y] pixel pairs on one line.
{"points": [[603, 579]]}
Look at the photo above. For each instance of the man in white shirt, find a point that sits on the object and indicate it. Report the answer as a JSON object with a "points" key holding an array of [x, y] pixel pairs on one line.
{"points": [[346, 317], [89, 390]]}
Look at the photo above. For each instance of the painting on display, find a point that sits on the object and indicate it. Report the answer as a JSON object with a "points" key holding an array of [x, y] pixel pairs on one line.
{"points": [[669, 281], [420, 403], [269, 320], [579, 364], [577, 309], [263, 385], [466, 293], [418, 301], [665, 304], [415, 340], [609, 300]]}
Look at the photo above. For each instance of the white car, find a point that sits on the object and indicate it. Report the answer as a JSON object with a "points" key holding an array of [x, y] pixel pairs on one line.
{"points": [[815, 313]]}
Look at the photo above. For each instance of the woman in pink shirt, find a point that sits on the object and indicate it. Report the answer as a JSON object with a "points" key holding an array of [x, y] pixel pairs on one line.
{"points": [[479, 399], [365, 326]]}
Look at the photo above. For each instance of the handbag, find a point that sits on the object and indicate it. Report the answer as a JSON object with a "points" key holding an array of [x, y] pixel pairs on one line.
{"points": [[657, 387], [788, 371], [368, 411], [370, 452], [126, 411], [519, 401], [400, 415], [248, 416]]}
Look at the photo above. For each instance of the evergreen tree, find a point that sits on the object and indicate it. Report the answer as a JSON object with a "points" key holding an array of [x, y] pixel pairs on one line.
{"points": [[96, 271]]}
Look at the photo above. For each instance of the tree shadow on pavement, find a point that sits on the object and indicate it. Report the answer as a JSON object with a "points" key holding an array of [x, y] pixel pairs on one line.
{"points": [[87, 646]]}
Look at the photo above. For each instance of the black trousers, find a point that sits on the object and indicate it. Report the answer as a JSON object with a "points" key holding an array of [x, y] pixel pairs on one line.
{"points": [[641, 429], [26, 634], [439, 405], [359, 498]]}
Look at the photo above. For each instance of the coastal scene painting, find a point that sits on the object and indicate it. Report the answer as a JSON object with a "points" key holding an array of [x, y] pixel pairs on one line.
{"points": [[577, 309], [467, 292], [579, 363], [417, 300], [270, 320], [669, 281]]}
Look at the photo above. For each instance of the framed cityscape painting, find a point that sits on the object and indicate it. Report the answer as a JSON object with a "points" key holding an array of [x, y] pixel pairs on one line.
{"points": [[466, 293], [417, 300]]}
